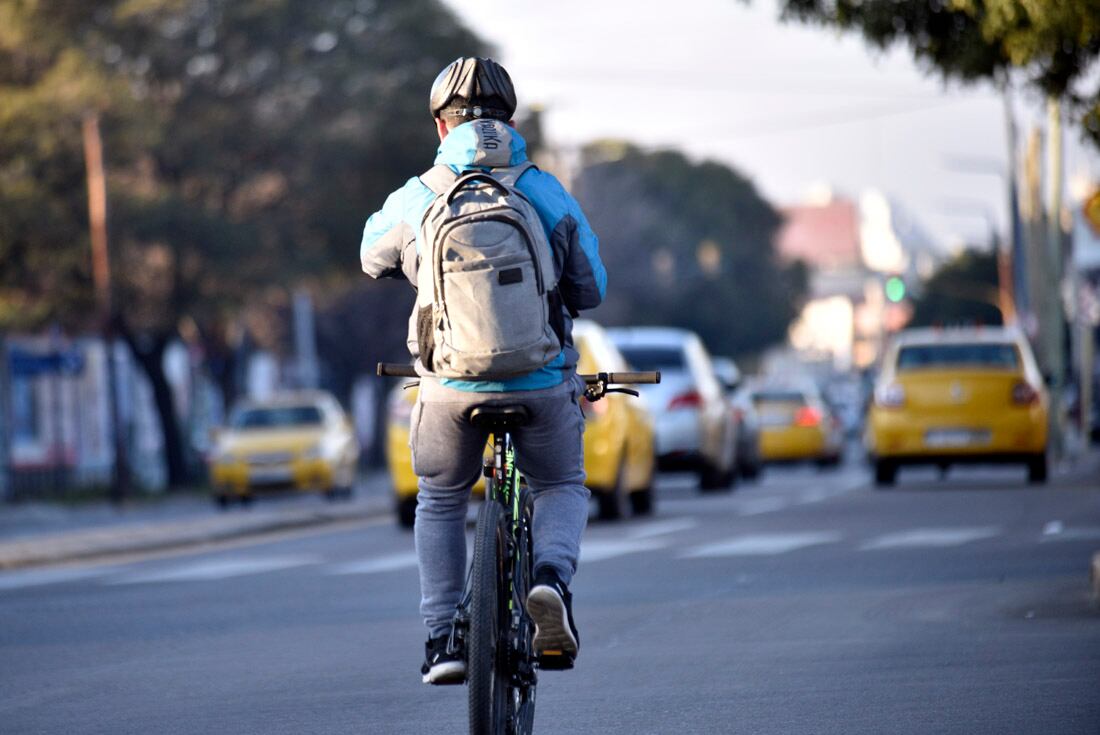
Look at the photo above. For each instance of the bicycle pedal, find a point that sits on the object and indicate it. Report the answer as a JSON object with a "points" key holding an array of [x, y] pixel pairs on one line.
{"points": [[554, 660]]}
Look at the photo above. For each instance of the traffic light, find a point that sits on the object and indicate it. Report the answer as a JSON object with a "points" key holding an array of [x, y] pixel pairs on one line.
{"points": [[895, 289]]}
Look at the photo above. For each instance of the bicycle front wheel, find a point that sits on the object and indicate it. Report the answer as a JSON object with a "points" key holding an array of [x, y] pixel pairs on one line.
{"points": [[487, 673]]}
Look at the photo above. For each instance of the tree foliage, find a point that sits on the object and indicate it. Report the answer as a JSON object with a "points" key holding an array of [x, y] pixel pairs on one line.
{"points": [[961, 291], [688, 245], [245, 141], [1052, 44]]}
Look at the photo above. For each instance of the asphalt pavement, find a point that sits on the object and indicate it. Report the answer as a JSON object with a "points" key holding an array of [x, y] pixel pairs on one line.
{"points": [[808, 602]]}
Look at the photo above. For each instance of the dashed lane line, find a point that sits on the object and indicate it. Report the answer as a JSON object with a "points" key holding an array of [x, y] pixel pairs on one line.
{"points": [[930, 538], [763, 544], [214, 569], [390, 563]]}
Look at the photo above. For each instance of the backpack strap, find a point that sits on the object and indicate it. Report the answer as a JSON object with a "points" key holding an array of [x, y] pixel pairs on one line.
{"points": [[439, 179], [509, 175]]}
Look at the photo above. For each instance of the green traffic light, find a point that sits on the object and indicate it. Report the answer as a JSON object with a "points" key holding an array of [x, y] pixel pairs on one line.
{"points": [[895, 289]]}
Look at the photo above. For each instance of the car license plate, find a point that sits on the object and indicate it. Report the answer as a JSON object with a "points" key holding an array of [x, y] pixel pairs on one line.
{"points": [[269, 475], [941, 438]]}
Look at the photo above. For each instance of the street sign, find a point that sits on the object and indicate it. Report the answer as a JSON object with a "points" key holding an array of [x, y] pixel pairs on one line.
{"points": [[30, 364]]}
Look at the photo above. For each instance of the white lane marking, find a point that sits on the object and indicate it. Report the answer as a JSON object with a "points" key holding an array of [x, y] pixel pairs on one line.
{"points": [[390, 563], [600, 550], [1073, 534], [213, 569], [661, 528], [930, 537], [38, 577], [1053, 528], [763, 544], [756, 506]]}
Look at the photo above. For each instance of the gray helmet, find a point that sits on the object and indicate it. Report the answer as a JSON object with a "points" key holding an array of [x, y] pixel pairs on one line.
{"points": [[470, 88]]}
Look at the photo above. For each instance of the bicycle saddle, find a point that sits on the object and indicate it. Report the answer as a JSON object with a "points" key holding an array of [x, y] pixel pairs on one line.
{"points": [[498, 417]]}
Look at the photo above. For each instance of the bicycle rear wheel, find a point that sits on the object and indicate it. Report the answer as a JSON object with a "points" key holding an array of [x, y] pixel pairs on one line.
{"points": [[487, 675]]}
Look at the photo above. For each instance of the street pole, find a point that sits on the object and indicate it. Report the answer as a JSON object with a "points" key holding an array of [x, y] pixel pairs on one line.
{"points": [[1054, 326], [101, 276], [1018, 262]]}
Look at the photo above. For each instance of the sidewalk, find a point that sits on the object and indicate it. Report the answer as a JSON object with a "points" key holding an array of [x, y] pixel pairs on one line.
{"points": [[42, 533]]}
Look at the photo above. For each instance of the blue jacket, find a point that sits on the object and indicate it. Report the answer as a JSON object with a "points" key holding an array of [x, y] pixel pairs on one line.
{"points": [[390, 239]]}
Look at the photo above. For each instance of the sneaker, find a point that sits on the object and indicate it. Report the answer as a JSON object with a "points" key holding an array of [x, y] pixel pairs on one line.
{"points": [[550, 605], [444, 661]]}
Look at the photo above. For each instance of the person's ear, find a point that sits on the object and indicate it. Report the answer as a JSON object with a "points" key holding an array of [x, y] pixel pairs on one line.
{"points": [[511, 123], [441, 128]]}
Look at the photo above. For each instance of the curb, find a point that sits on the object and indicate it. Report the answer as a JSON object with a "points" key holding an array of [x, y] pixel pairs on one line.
{"points": [[129, 539]]}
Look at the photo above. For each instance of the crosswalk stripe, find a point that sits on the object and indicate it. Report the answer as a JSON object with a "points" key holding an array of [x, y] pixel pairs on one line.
{"points": [[214, 569], [930, 537], [389, 563], [763, 544]]}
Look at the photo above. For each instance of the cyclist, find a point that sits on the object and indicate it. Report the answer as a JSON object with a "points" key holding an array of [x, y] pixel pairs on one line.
{"points": [[472, 102]]}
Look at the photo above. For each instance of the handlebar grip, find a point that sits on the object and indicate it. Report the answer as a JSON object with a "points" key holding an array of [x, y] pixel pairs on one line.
{"points": [[396, 370], [626, 377]]}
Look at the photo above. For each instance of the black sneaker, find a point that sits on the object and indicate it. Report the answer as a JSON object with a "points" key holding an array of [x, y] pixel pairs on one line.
{"points": [[444, 661], [550, 605]]}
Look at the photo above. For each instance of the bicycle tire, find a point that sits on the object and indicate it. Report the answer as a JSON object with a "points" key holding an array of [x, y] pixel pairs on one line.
{"points": [[487, 677], [521, 700]]}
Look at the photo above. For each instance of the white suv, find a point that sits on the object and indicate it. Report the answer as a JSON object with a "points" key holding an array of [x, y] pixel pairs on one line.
{"points": [[694, 425]]}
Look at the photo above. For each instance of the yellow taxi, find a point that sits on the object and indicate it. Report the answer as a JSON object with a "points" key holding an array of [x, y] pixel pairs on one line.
{"points": [[300, 441], [796, 424], [947, 396], [618, 440]]}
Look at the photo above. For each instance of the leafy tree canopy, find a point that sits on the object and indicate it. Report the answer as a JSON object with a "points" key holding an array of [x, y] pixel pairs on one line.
{"points": [[687, 244], [961, 291], [1052, 43]]}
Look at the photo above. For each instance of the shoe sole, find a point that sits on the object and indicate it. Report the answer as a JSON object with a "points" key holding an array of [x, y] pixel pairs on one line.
{"points": [[452, 672], [552, 633]]}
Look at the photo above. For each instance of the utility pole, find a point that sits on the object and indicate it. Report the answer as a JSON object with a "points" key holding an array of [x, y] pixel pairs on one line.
{"points": [[1018, 262], [101, 275], [1054, 321]]}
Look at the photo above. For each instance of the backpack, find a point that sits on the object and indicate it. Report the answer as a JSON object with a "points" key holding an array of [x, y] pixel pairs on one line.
{"points": [[487, 303]]}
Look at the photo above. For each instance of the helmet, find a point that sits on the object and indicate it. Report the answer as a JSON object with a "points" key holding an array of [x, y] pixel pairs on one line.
{"points": [[471, 87]]}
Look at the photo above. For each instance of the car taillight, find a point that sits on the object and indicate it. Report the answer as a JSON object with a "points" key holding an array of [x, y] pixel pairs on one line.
{"points": [[807, 417], [890, 396], [691, 399], [1024, 394], [592, 409]]}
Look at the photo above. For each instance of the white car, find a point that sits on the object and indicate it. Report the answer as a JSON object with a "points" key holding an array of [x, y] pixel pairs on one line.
{"points": [[695, 427]]}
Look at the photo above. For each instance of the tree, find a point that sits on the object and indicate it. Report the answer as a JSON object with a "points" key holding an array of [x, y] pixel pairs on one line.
{"points": [[688, 245], [1051, 43], [961, 291], [245, 142]]}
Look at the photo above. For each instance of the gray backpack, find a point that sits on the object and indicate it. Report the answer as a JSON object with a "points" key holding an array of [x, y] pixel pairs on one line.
{"points": [[487, 302]]}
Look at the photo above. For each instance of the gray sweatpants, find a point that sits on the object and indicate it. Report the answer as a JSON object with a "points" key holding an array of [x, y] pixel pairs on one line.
{"points": [[447, 452]]}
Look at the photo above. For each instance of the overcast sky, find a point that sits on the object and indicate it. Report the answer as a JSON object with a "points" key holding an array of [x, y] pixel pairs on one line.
{"points": [[788, 105]]}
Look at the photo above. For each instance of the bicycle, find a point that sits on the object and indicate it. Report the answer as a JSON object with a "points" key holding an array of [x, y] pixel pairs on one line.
{"points": [[491, 619]]}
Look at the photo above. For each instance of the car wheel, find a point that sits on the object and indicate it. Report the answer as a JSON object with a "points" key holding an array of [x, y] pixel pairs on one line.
{"points": [[612, 502], [246, 500], [711, 478], [641, 501], [222, 501], [1037, 469], [886, 473], [406, 512]]}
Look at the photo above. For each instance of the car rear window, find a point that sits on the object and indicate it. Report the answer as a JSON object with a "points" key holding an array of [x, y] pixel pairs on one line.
{"points": [[276, 417], [779, 396], [654, 358], [986, 355]]}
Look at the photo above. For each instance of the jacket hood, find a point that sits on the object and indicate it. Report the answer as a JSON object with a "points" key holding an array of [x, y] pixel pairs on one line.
{"points": [[488, 143]]}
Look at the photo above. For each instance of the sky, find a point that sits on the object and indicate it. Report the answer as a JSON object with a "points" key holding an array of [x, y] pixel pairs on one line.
{"points": [[790, 106]]}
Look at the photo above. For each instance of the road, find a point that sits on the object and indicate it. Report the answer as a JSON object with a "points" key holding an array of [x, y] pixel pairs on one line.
{"points": [[806, 603]]}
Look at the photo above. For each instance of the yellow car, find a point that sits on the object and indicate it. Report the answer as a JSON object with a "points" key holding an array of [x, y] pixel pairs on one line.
{"points": [[958, 395], [301, 441], [796, 424], [618, 439]]}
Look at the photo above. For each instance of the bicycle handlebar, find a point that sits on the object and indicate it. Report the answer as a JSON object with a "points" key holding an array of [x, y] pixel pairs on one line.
{"points": [[401, 370]]}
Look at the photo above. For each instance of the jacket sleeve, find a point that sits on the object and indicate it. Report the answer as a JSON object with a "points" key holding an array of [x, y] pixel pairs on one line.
{"points": [[582, 277], [385, 237]]}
